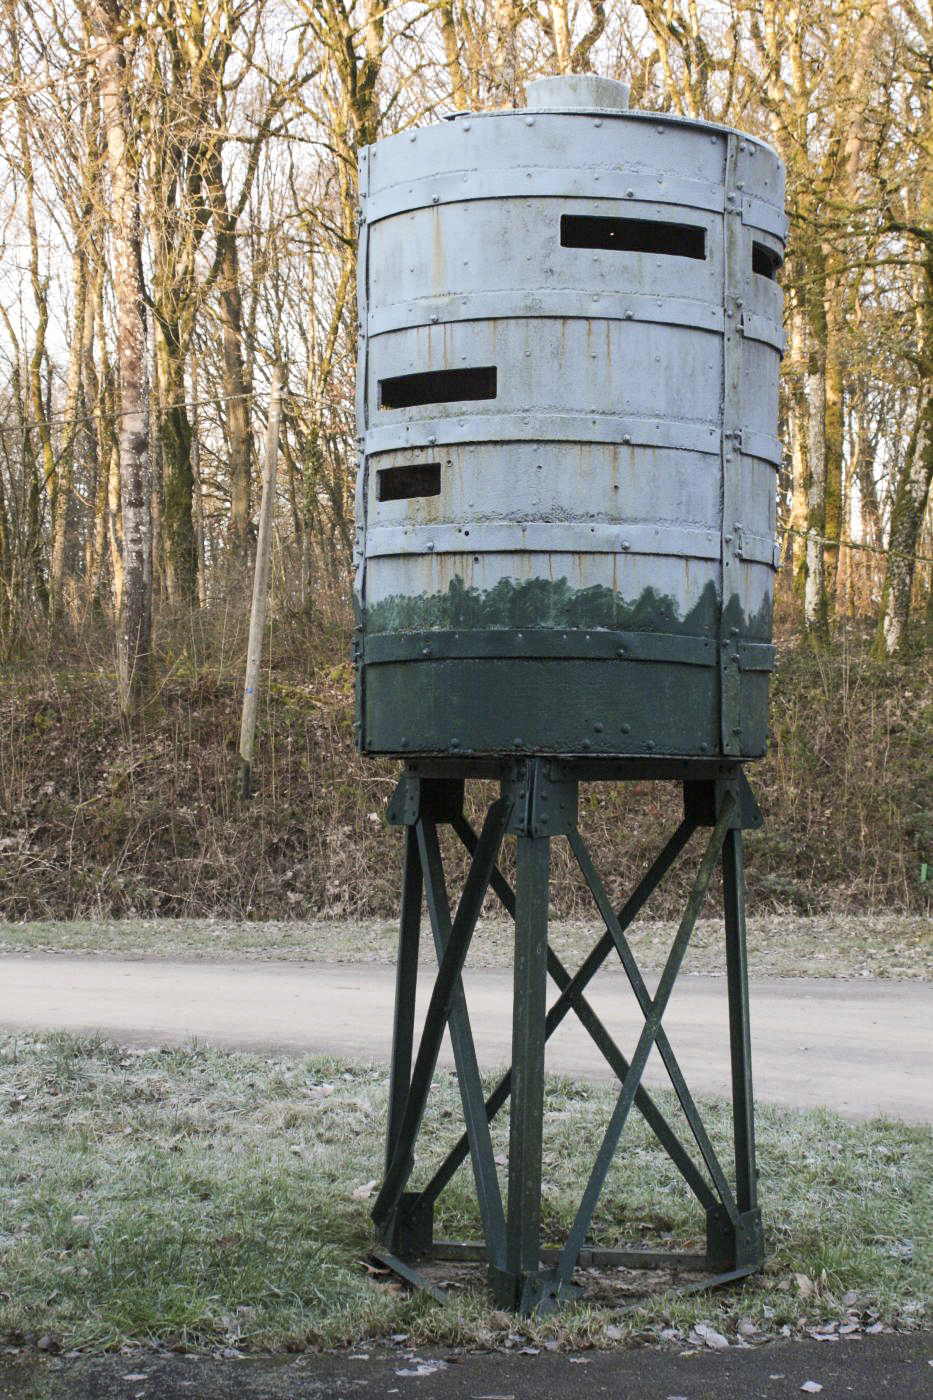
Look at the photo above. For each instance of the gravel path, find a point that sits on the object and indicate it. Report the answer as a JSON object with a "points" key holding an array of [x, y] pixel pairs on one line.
{"points": [[862, 1047]]}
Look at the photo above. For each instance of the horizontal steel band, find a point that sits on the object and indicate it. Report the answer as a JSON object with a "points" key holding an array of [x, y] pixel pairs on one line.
{"points": [[757, 549], [553, 304], [758, 327], [554, 182], [545, 427], [541, 643], [758, 213], [542, 537], [769, 449], [544, 643], [756, 656]]}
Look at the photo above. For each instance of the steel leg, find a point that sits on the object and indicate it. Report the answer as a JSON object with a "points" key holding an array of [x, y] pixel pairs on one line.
{"points": [[523, 1229], [743, 1244], [406, 978], [469, 1080], [448, 974]]}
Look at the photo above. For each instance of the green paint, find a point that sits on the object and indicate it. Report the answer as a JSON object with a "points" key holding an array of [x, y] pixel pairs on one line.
{"points": [[554, 603], [541, 603], [662, 703]]}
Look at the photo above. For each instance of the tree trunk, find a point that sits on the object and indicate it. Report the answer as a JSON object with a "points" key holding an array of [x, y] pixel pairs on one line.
{"points": [[135, 619], [63, 521], [799, 424], [236, 385], [832, 524], [910, 503], [815, 612], [179, 545]]}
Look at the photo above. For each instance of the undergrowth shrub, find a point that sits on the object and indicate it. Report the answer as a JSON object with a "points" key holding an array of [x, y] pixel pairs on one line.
{"points": [[101, 820]]}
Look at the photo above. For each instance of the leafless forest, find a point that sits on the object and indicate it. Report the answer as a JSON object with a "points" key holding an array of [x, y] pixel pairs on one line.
{"points": [[178, 220], [178, 215]]}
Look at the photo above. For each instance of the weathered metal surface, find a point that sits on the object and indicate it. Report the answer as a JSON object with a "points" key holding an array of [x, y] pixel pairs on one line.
{"points": [[570, 337]]}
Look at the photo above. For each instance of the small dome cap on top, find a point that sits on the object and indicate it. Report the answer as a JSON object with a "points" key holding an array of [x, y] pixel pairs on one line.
{"points": [[585, 91]]}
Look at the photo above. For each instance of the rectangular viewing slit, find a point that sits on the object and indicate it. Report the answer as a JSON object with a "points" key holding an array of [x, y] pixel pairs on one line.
{"points": [[437, 386], [407, 483], [765, 261], [633, 235]]}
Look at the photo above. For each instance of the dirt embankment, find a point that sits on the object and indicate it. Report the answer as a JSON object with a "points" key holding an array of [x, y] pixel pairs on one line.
{"points": [[95, 820]]}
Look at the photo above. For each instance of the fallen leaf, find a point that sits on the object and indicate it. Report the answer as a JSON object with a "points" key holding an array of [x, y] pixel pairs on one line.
{"points": [[528, 1351], [137, 1376], [422, 1368], [811, 1387], [614, 1333], [805, 1286], [703, 1333], [363, 1193]]}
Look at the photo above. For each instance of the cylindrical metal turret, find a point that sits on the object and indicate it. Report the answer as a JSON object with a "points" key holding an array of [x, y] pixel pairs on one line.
{"points": [[570, 338]]}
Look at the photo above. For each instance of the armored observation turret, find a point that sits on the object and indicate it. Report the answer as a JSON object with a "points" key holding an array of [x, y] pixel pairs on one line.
{"points": [[568, 399]]}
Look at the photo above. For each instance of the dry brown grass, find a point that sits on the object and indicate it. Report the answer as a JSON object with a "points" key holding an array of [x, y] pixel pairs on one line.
{"points": [[102, 822]]}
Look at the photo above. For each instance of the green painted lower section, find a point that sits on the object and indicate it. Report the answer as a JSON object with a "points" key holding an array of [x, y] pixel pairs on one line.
{"points": [[541, 667], [542, 603], [564, 706]]}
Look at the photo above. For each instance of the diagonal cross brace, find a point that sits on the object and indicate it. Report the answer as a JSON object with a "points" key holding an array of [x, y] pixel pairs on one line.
{"points": [[448, 974], [643, 996], [646, 1040], [571, 998], [488, 1194]]}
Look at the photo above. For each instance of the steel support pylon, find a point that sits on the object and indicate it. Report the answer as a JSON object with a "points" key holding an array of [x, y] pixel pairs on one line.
{"points": [[537, 803]]}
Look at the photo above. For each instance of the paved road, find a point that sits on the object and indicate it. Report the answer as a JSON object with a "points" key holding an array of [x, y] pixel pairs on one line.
{"points": [[867, 1368], [860, 1047]]}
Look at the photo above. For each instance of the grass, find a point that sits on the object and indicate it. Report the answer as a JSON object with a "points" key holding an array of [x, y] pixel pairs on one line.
{"points": [[201, 1200], [867, 945]]}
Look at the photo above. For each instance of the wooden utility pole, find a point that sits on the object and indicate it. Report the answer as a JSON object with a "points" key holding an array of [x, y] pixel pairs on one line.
{"points": [[257, 617]]}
